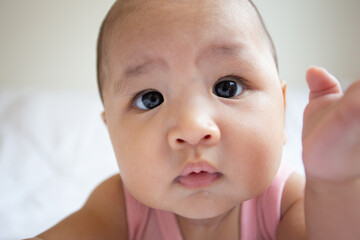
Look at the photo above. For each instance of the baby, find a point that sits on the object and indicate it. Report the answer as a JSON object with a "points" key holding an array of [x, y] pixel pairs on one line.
{"points": [[195, 111]]}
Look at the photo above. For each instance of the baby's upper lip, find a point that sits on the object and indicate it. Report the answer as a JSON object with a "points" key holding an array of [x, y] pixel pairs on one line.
{"points": [[197, 167]]}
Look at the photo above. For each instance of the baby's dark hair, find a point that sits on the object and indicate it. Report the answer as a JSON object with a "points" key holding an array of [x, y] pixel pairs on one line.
{"points": [[117, 11]]}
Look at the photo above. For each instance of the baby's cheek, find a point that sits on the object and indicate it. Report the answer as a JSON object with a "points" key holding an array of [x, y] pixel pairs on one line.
{"points": [[139, 160], [258, 156]]}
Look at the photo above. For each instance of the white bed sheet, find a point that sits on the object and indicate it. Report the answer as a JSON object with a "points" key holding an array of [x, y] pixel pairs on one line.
{"points": [[54, 149]]}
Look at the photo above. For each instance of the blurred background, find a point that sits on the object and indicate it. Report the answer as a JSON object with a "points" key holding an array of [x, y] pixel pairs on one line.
{"points": [[314, 32], [53, 145], [50, 44]]}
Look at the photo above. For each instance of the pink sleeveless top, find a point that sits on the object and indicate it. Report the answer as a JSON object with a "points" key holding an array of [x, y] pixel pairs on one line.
{"points": [[260, 216]]}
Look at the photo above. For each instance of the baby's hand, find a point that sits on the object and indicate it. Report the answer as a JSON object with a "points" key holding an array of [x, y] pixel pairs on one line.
{"points": [[331, 133]]}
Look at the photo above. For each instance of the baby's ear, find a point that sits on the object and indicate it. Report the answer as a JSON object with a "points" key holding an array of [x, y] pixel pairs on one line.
{"points": [[284, 136], [103, 117], [283, 86]]}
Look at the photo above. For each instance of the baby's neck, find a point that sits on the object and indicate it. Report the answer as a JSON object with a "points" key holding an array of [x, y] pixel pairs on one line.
{"points": [[225, 226]]}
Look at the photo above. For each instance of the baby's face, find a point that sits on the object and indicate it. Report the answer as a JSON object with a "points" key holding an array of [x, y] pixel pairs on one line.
{"points": [[192, 86]]}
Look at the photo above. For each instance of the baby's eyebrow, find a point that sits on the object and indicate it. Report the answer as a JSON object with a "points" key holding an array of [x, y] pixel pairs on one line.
{"points": [[132, 72], [220, 50], [145, 67]]}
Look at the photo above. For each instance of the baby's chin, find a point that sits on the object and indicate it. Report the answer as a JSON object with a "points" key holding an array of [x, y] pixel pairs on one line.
{"points": [[207, 212], [206, 207]]}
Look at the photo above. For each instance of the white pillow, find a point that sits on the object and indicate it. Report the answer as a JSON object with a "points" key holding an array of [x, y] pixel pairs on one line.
{"points": [[54, 149]]}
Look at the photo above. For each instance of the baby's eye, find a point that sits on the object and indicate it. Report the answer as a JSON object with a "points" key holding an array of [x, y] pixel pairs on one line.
{"points": [[148, 100], [228, 87]]}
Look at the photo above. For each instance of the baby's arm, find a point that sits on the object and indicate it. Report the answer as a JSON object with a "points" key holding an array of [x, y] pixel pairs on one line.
{"points": [[331, 154], [102, 216]]}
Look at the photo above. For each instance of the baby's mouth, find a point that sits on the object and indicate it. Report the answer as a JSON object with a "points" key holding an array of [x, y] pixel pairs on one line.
{"points": [[198, 180], [198, 175]]}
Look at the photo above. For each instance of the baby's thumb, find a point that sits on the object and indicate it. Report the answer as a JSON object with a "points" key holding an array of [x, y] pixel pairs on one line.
{"points": [[321, 83]]}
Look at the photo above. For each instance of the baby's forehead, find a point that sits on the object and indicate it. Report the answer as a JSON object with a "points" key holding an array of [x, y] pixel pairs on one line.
{"points": [[140, 7], [137, 15], [129, 17]]}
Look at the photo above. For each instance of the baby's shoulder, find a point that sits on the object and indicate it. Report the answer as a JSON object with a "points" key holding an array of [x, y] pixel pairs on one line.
{"points": [[103, 216], [109, 193], [107, 203], [293, 192], [292, 224]]}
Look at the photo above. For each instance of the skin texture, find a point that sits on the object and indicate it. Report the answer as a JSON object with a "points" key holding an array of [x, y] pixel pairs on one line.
{"points": [[170, 48]]}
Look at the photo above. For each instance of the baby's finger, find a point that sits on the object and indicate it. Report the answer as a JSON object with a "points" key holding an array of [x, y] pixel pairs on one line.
{"points": [[321, 83], [351, 101]]}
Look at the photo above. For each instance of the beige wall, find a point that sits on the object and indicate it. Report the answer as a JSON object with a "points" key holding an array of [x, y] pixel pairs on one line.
{"points": [[315, 32], [51, 44]]}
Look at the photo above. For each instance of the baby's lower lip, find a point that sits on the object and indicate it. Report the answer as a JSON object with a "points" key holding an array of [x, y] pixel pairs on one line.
{"points": [[198, 180]]}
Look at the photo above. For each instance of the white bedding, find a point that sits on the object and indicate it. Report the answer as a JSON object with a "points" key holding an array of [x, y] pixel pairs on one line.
{"points": [[54, 150]]}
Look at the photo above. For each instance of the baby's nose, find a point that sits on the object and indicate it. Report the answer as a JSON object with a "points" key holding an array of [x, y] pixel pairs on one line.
{"points": [[193, 131]]}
